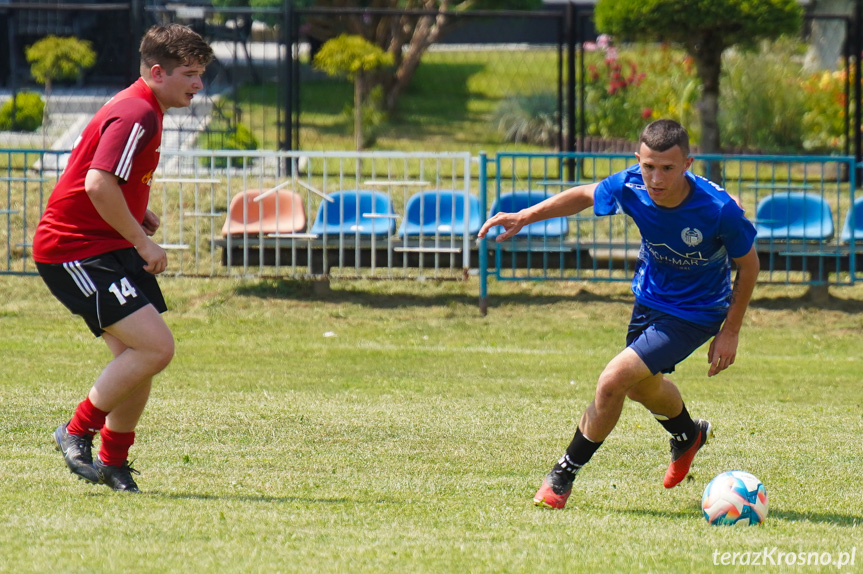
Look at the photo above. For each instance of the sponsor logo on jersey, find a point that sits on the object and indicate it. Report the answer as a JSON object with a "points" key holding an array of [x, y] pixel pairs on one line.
{"points": [[148, 178], [691, 237], [663, 253]]}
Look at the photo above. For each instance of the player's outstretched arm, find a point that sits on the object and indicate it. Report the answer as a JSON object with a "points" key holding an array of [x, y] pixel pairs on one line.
{"points": [[104, 191], [723, 348], [566, 203]]}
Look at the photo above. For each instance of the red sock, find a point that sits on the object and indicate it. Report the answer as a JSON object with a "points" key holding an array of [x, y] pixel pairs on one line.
{"points": [[115, 446], [87, 420]]}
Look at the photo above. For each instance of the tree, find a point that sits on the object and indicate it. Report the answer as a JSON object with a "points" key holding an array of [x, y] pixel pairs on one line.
{"points": [[353, 57], [406, 37], [54, 58], [705, 28]]}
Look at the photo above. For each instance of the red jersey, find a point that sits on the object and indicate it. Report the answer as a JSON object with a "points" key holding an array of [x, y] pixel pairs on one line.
{"points": [[123, 138]]}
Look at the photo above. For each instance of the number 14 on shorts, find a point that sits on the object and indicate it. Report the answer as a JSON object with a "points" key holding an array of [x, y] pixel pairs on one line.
{"points": [[124, 291]]}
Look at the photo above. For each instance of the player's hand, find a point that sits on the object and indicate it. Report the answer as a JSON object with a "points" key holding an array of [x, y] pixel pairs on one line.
{"points": [[154, 255], [722, 352], [511, 223], [151, 223]]}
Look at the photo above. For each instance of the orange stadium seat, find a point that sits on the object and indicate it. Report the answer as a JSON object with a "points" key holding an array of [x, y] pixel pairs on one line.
{"points": [[278, 212]]}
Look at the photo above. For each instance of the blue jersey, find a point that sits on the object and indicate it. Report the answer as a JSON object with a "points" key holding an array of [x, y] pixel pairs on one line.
{"points": [[684, 266]]}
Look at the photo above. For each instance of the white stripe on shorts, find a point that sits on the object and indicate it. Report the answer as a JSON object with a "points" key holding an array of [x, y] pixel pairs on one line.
{"points": [[80, 277]]}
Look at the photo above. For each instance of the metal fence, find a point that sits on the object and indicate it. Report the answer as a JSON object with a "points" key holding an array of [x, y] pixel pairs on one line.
{"points": [[396, 215], [809, 221], [229, 213], [263, 79]]}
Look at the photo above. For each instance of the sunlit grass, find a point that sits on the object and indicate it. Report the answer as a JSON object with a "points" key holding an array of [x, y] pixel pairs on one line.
{"points": [[389, 427]]}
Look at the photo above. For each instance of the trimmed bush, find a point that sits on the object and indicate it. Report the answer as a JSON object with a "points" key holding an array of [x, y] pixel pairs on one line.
{"points": [[238, 138], [27, 109]]}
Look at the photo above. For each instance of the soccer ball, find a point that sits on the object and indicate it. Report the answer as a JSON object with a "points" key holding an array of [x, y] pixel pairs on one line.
{"points": [[734, 497]]}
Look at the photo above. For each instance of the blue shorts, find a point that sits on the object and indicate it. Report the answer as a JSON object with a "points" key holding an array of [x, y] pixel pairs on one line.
{"points": [[662, 340]]}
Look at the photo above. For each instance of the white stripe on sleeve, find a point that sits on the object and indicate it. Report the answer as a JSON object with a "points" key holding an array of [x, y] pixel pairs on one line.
{"points": [[124, 168]]}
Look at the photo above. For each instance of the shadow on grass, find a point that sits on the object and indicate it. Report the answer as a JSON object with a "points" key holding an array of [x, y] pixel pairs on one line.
{"points": [[373, 298], [788, 515], [246, 498], [831, 303], [817, 517]]}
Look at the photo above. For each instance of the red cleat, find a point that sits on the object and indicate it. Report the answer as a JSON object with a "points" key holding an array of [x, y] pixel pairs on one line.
{"points": [[555, 489], [681, 460]]}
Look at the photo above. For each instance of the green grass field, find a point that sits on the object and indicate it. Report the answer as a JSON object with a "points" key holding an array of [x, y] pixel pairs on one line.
{"points": [[414, 438]]}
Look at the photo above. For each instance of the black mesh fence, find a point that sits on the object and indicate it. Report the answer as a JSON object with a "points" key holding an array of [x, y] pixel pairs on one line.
{"points": [[468, 81], [483, 81]]}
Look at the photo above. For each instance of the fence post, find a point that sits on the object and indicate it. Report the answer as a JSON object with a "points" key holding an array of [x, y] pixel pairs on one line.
{"points": [[136, 29], [289, 75], [571, 40], [483, 252], [858, 97]]}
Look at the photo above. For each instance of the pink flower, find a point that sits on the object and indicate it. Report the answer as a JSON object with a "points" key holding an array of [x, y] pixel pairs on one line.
{"points": [[646, 113], [589, 46], [603, 41]]}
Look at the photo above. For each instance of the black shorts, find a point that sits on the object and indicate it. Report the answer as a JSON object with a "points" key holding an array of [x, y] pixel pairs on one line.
{"points": [[105, 288]]}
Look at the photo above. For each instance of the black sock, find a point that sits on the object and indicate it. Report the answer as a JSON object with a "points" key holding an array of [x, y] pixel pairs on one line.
{"points": [[577, 454], [682, 428]]}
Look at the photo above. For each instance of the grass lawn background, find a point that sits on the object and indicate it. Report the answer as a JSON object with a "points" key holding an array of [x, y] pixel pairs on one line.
{"points": [[389, 427]]}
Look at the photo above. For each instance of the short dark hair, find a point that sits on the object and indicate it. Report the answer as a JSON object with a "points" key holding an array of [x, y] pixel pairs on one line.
{"points": [[173, 45], [663, 135]]}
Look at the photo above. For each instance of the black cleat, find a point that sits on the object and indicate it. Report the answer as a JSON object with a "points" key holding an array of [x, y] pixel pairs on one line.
{"points": [[117, 477], [78, 452]]}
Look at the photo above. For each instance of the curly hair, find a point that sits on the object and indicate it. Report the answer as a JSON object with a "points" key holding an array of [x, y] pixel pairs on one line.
{"points": [[173, 45]]}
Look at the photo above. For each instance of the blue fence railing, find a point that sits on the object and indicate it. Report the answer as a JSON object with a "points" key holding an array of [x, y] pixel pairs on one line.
{"points": [[809, 219]]}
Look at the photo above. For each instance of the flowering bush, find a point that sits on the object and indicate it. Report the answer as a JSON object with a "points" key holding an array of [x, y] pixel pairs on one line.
{"points": [[824, 118], [612, 99], [767, 104], [670, 87], [626, 89]]}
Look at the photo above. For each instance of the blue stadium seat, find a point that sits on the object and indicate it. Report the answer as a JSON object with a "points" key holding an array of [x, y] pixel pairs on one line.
{"points": [[854, 222], [794, 215], [517, 200], [441, 212], [355, 212]]}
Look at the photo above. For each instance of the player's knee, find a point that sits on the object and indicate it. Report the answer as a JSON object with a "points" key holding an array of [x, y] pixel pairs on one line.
{"points": [[610, 389], [161, 354]]}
